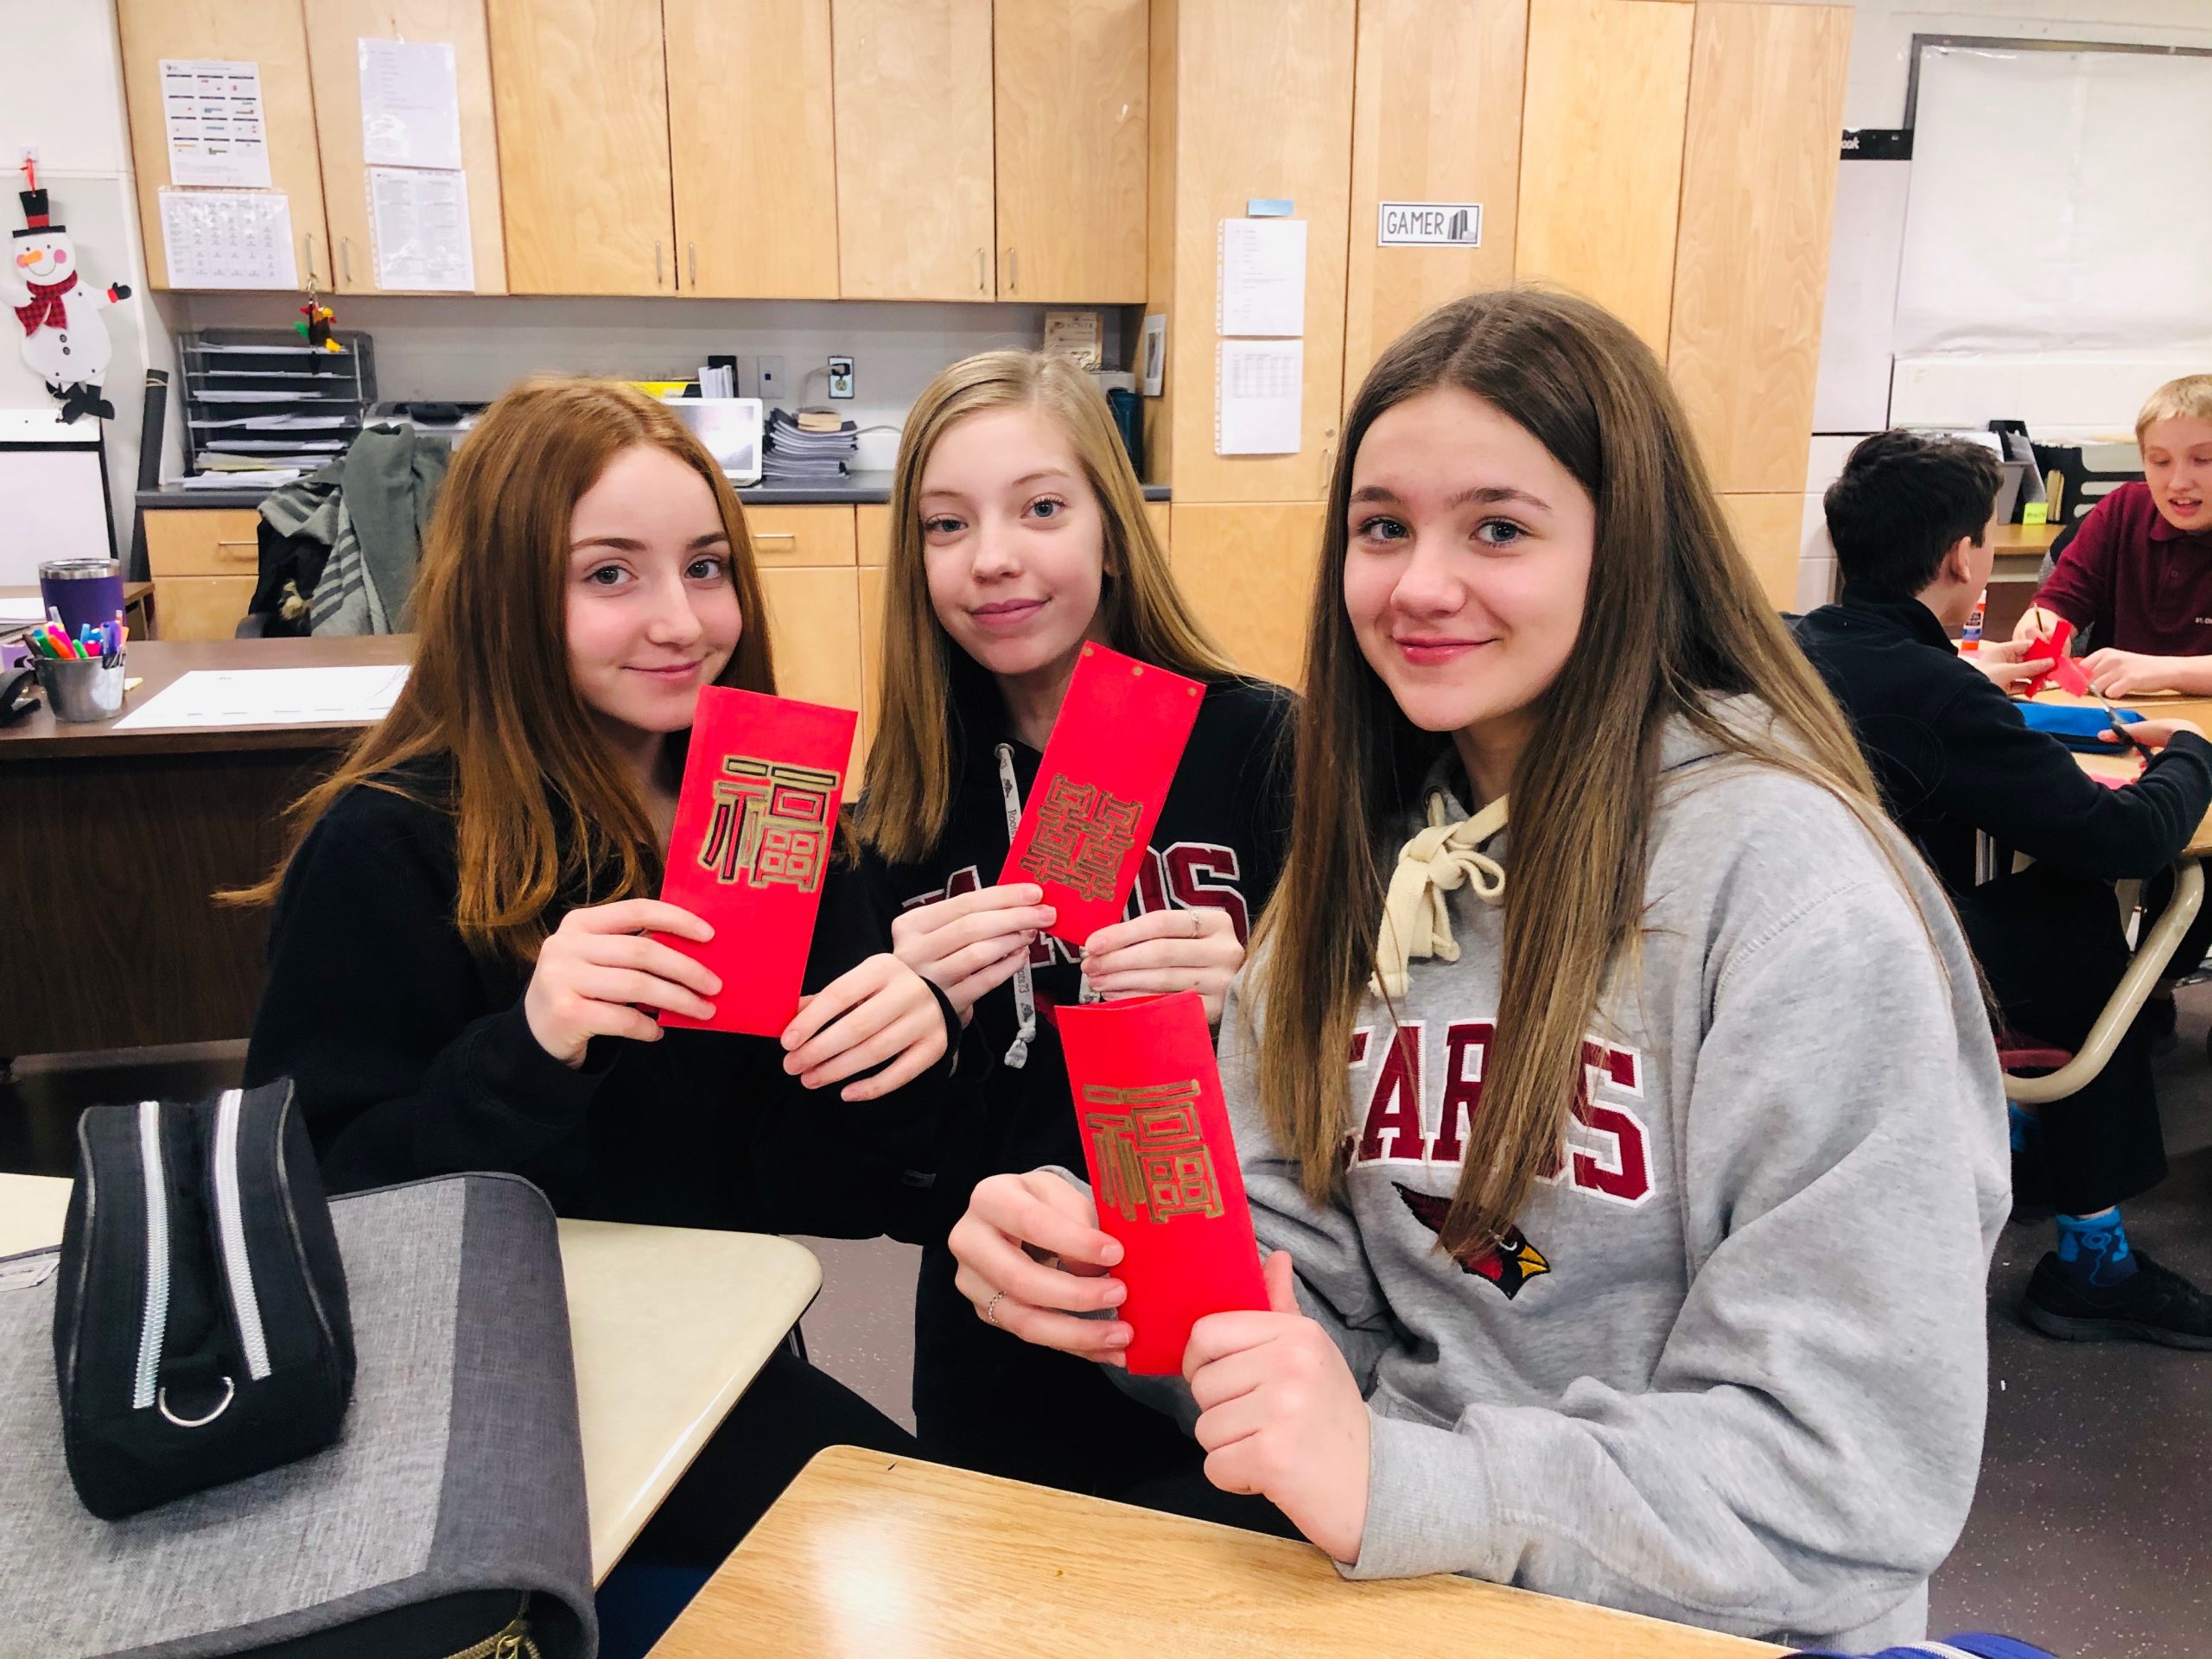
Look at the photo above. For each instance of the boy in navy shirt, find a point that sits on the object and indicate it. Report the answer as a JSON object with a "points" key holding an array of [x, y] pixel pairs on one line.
{"points": [[1954, 758]]}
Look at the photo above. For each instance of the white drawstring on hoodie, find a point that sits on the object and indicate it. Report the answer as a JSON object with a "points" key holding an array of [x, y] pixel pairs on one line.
{"points": [[1416, 922]]}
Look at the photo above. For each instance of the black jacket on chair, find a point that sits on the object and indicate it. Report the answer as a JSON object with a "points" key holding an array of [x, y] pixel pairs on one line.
{"points": [[1953, 755]]}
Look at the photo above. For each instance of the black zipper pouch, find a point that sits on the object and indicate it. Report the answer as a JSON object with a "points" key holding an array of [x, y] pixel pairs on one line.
{"points": [[201, 1329]]}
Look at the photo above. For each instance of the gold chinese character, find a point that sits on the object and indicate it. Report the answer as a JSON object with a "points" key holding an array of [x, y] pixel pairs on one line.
{"points": [[1083, 835], [1152, 1155], [770, 825]]}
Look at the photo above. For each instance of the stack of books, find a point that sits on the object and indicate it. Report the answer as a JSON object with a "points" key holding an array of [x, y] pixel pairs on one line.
{"points": [[811, 446]]}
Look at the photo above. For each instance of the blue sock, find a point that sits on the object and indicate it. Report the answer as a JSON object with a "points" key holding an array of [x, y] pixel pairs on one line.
{"points": [[2027, 1129], [2093, 1251]]}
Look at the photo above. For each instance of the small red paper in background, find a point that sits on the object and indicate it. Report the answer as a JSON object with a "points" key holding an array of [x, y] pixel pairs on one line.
{"points": [[1106, 772], [2063, 668], [756, 825], [1163, 1168]]}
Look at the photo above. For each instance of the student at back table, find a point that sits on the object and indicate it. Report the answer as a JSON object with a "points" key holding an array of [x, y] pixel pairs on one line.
{"points": [[2138, 575], [1953, 757]]}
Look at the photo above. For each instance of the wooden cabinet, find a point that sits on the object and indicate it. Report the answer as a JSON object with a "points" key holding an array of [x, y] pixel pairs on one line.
{"points": [[1750, 268], [1261, 107], [204, 563], [801, 536], [1248, 574], [1603, 113], [1070, 99], [1436, 116], [751, 138], [871, 579], [915, 218], [814, 627], [268, 32], [1771, 531], [872, 530], [335, 29], [583, 102], [1162, 525]]}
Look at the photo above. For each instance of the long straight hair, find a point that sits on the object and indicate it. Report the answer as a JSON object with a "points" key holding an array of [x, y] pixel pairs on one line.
{"points": [[926, 677], [540, 805], [1673, 616]]}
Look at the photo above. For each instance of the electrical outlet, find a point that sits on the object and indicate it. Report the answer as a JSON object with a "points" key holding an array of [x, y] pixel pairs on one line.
{"points": [[840, 377], [771, 379]]}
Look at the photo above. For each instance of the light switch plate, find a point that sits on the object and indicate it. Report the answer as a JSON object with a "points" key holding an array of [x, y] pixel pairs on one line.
{"points": [[771, 379]]}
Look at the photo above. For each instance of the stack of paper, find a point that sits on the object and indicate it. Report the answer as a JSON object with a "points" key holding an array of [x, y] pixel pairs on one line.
{"points": [[797, 454]]}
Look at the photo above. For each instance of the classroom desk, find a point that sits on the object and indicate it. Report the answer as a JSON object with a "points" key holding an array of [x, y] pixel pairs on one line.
{"points": [[865, 1556], [137, 604], [670, 1325], [127, 836]]}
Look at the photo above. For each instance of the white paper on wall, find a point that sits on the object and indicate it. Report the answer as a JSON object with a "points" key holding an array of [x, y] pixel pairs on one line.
{"points": [[1259, 387], [418, 229], [229, 238], [1261, 285], [411, 105], [211, 110]]}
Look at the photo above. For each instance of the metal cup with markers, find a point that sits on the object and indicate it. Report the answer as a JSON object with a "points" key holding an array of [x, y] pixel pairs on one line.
{"points": [[82, 677]]}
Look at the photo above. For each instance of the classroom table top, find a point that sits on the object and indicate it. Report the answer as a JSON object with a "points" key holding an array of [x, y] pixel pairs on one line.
{"points": [[2124, 766], [157, 662], [866, 1556], [670, 1325]]}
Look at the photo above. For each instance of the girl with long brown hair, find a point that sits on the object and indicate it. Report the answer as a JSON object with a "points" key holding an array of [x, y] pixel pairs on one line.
{"points": [[462, 975], [1612, 1086], [1018, 534]]}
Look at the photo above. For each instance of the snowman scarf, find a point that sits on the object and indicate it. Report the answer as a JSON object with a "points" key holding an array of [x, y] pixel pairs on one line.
{"points": [[46, 309]]}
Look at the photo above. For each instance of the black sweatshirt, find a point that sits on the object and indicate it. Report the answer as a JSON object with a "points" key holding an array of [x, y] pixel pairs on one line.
{"points": [[1953, 756], [413, 1057], [980, 1397]]}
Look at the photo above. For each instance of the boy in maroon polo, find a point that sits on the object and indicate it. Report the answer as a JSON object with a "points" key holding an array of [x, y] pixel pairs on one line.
{"points": [[2138, 571]]}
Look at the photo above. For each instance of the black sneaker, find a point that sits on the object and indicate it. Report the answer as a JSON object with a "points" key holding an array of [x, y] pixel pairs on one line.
{"points": [[2156, 1304]]}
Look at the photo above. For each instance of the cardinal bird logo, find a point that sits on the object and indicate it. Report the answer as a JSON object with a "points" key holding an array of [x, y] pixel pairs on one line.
{"points": [[1511, 1263]]}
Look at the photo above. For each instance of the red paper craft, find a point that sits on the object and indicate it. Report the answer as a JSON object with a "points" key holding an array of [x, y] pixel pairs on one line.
{"points": [[2064, 669], [1106, 771], [755, 825], [1163, 1168]]}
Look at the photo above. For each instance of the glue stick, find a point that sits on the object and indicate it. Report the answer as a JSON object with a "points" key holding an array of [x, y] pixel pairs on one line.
{"points": [[1970, 636]]}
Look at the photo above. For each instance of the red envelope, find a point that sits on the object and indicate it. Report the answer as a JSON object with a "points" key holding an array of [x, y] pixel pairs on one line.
{"points": [[1106, 771], [755, 826], [1163, 1168], [2064, 669]]}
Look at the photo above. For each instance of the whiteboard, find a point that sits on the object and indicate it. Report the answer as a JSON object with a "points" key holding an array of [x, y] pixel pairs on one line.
{"points": [[52, 504], [2058, 203]]}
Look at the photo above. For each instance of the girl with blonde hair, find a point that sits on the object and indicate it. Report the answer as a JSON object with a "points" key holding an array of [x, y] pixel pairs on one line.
{"points": [[1018, 534]]}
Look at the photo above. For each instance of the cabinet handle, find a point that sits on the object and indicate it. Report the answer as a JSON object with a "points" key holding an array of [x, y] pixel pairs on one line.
{"points": [[311, 256], [692, 249], [775, 536], [980, 273], [346, 258], [660, 274], [1013, 271]]}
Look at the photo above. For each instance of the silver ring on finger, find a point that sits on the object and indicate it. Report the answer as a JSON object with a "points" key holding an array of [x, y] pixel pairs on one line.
{"points": [[991, 1308]]}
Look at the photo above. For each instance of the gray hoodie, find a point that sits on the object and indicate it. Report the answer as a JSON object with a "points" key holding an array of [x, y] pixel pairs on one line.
{"points": [[1729, 1367]]}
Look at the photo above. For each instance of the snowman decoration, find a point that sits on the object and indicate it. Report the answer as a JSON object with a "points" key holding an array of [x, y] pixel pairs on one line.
{"points": [[63, 339]]}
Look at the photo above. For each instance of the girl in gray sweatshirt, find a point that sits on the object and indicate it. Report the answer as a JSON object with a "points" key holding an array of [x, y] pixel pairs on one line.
{"points": [[1614, 1093]]}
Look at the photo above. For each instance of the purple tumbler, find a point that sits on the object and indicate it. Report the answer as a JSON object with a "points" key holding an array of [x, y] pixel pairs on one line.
{"points": [[87, 592]]}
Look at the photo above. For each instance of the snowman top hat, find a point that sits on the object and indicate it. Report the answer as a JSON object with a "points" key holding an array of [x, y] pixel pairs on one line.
{"points": [[38, 222]]}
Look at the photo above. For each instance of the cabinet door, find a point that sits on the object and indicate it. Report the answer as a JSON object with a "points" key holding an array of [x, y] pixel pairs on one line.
{"points": [[1436, 117], [1601, 153], [267, 33], [1070, 95], [805, 535], [751, 137], [202, 607], [1262, 107], [335, 30], [583, 102], [871, 579], [914, 195], [1247, 573], [1771, 532], [814, 627], [1751, 266]]}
